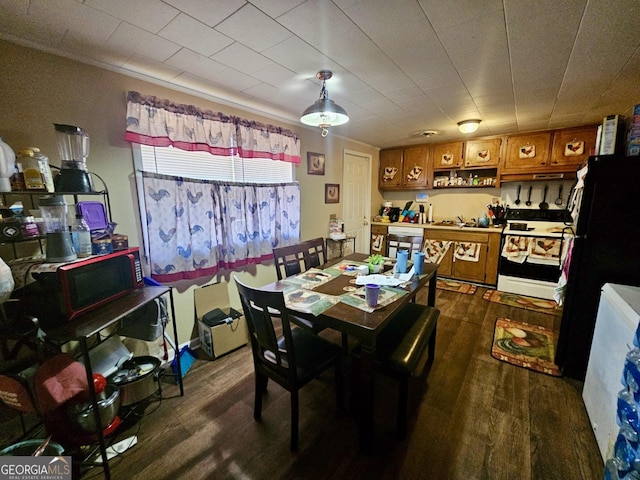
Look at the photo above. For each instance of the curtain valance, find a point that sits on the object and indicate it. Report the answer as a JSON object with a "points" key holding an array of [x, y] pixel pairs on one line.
{"points": [[162, 123]]}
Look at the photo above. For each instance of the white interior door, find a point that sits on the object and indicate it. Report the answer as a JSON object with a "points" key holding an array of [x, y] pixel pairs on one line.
{"points": [[356, 204]]}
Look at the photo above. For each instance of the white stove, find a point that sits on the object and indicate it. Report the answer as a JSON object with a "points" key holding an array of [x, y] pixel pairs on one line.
{"points": [[536, 223], [531, 251]]}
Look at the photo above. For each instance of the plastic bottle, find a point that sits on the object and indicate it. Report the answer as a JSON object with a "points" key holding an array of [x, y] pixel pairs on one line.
{"points": [[7, 166], [81, 236], [33, 178], [45, 169]]}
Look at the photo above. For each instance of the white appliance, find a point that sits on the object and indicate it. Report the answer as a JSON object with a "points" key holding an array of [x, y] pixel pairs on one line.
{"points": [[616, 324], [526, 275]]}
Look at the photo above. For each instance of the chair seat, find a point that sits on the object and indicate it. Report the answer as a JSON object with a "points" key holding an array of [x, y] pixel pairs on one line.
{"points": [[313, 353]]}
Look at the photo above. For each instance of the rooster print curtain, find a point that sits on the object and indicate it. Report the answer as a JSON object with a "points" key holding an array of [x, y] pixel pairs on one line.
{"points": [[196, 227], [161, 123]]}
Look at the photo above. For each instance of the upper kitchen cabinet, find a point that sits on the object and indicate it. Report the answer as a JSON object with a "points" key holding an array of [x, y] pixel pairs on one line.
{"points": [[527, 152], [482, 152], [404, 168], [554, 154], [447, 156], [572, 146]]}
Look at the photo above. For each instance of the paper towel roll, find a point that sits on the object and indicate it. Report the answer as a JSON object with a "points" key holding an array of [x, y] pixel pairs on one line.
{"points": [[430, 214]]}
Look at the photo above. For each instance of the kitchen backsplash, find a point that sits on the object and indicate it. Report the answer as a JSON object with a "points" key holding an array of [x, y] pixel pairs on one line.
{"points": [[470, 203]]}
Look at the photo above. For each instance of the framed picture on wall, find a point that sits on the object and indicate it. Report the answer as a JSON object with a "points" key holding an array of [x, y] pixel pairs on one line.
{"points": [[331, 193], [315, 163]]}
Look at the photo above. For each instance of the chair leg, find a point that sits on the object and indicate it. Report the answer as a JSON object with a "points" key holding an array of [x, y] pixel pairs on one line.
{"points": [[339, 384], [261, 384], [403, 399], [432, 345], [295, 407]]}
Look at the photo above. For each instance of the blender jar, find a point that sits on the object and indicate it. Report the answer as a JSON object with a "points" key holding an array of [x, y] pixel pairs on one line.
{"points": [[54, 213], [73, 146]]}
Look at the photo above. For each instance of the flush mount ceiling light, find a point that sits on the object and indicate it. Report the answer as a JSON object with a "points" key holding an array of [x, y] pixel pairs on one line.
{"points": [[324, 113], [468, 126]]}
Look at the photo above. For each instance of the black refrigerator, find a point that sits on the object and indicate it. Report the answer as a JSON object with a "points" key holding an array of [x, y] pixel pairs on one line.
{"points": [[606, 249]]}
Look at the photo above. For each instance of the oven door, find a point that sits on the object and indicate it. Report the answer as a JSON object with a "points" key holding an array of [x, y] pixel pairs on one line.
{"points": [[530, 277]]}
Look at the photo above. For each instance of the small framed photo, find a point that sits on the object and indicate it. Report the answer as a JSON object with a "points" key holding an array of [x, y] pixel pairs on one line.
{"points": [[331, 193], [315, 163]]}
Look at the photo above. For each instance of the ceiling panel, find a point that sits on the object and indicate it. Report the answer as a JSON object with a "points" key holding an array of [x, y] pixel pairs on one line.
{"points": [[399, 67]]}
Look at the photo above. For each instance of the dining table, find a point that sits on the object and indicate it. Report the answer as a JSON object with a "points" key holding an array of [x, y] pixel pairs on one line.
{"points": [[364, 326]]}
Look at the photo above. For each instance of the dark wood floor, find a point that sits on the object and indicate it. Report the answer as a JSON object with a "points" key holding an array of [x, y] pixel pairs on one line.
{"points": [[472, 417]]}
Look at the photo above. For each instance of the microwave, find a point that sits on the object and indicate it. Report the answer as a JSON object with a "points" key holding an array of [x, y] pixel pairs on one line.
{"points": [[75, 288]]}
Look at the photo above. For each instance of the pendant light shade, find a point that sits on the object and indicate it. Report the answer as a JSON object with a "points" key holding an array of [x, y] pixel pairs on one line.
{"points": [[468, 126], [324, 113]]}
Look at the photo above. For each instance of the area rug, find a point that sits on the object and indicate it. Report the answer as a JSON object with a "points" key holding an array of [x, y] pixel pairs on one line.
{"points": [[459, 287], [524, 345], [521, 301]]}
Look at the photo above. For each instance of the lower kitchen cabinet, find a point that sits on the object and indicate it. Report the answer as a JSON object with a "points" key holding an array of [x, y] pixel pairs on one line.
{"points": [[485, 270]]}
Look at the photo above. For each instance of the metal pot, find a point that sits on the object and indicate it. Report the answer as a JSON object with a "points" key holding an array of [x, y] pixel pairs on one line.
{"points": [[137, 379], [81, 414]]}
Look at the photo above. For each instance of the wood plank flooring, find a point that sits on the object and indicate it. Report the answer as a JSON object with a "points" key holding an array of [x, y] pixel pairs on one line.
{"points": [[472, 417]]}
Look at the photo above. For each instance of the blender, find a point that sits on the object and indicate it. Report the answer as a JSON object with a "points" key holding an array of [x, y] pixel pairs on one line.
{"points": [[54, 213], [73, 146]]}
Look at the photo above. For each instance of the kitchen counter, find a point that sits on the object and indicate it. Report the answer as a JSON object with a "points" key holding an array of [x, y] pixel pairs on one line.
{"points": [[437, 226], [485, 241]]}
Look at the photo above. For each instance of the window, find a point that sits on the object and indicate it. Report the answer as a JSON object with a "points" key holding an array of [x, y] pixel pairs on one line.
{"points": [[205, 166]]}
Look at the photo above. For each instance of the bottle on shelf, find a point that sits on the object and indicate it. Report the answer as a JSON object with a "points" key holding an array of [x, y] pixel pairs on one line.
{"points": [[7, 166], [81, 237]]}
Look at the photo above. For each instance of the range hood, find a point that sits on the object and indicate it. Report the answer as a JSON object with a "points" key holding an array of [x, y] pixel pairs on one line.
{"points": [[533, 177]]}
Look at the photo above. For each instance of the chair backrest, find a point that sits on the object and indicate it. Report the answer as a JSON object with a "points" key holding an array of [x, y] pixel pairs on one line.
{"points": [[290, 260], [396, 242], [315, 255], [264, 312]]}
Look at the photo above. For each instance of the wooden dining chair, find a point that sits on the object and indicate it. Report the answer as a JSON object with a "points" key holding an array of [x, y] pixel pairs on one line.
{"points": [[292, 359], [395, 242], [290, 260], [295, 259], [315, 253]]}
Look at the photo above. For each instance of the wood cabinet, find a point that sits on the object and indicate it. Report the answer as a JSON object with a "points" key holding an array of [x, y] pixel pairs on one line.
{"points": [[527, 152], [404, 168], [572, 146], [482, 152], [553, 154], [485, 270], [448, 155]]}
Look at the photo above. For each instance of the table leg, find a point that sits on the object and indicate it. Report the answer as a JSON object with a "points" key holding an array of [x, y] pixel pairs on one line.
{"points": [[433, 283], [366, 399]]}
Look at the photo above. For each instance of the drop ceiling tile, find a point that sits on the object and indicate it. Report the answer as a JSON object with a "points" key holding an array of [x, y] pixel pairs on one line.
{"points": [[151, 68], [206, 12], [129, 38], [279, 77], [185, 31], [242, 58], [194, 63], [150, 15], [253, 28], [298, 57], [275, 8]]}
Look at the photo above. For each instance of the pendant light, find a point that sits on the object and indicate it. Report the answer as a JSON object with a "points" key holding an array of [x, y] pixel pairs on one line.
{"points": [[468, 126], [324, 113]]}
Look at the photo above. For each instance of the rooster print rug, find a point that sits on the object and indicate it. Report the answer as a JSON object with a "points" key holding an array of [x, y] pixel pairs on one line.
{"points": [[541, 305], [459, 287], [524, 345]]}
